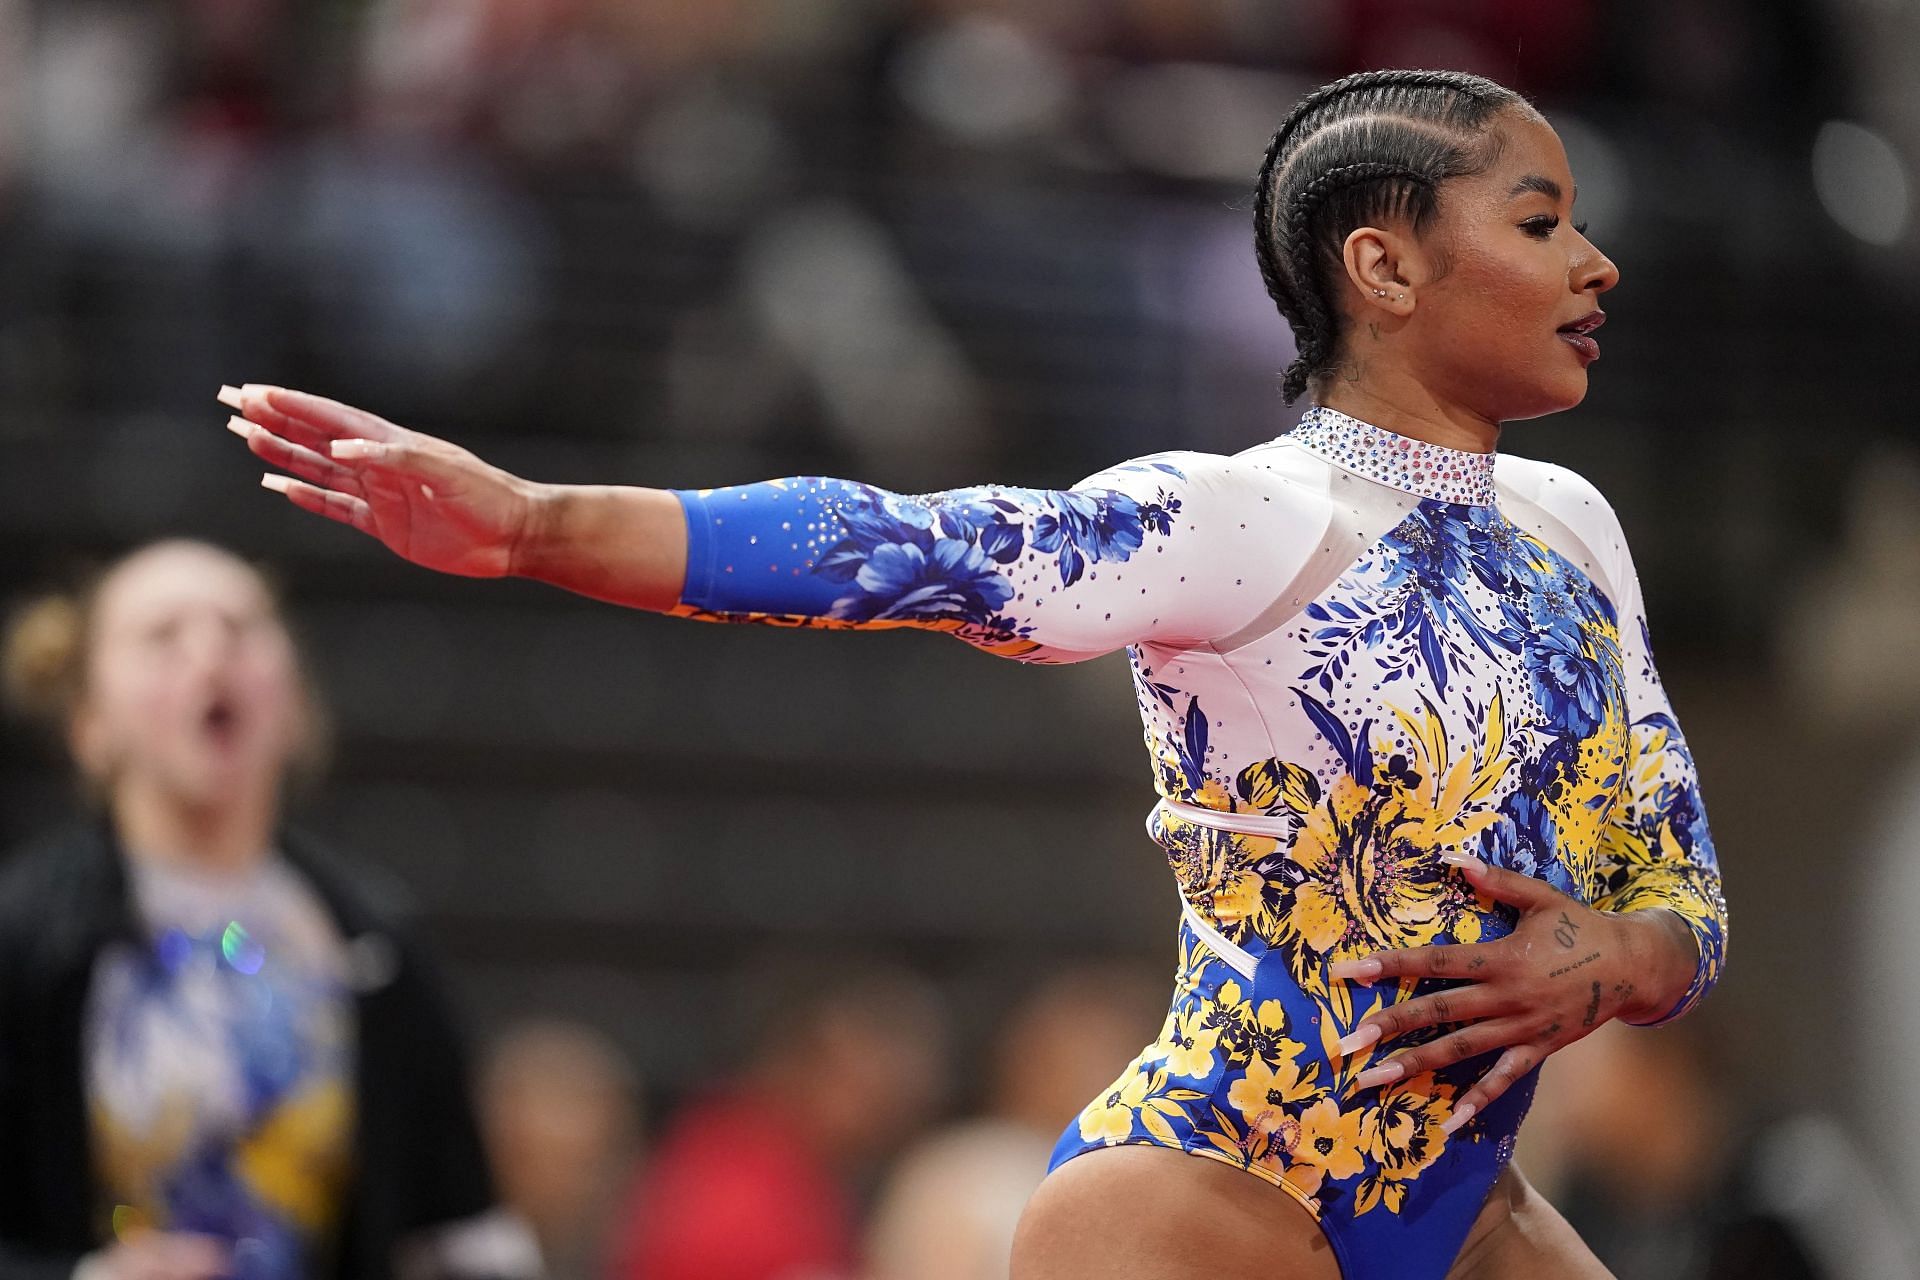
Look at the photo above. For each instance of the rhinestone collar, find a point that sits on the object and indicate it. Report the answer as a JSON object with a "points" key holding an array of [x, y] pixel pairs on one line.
{"points": [[1414, 466]]}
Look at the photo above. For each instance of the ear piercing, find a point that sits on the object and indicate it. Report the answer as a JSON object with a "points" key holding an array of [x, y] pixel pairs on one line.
{"points": [[1381, 293]]}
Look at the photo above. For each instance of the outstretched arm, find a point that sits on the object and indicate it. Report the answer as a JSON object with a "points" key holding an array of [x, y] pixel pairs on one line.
{"points": [[439, 506], [1170, 548]]}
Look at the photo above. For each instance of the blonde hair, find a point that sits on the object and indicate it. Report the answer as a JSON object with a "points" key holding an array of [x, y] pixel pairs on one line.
{"points": [[48, 642], [44, 661]]}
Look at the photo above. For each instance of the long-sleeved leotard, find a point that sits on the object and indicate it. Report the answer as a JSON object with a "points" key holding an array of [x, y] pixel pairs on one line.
{"points": [[1352, 652]]}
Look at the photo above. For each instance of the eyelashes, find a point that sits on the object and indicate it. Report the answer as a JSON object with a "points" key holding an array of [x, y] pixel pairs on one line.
{"points": [[1544, 225]]}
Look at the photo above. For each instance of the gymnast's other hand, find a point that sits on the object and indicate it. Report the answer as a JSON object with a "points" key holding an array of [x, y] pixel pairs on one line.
{"points": [[436, 504], [1565, 969]]}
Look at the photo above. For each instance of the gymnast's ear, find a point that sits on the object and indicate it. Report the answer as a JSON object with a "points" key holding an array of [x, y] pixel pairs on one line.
{"points": [[1383, 264]]}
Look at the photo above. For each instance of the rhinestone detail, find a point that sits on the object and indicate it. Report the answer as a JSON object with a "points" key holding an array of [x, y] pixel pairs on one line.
{"points": [[1429, 470]]}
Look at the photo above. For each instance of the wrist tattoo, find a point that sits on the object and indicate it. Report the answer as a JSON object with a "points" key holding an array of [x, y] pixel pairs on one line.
{"points": [[1593, 1007], [1589, 958]]}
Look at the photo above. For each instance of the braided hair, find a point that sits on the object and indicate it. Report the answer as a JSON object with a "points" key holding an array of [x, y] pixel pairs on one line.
{"points": [[1373, 145]]}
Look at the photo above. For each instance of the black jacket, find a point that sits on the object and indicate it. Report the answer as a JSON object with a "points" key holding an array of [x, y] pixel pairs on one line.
{"points": [[418, 1160]]}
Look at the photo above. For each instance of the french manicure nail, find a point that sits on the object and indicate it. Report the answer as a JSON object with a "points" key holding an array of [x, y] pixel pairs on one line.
{"points": [[229, 396], [240, 427], [354, 449], [1359, 970], [1385, 1073], [279, 484], [1461, 1114], [1360, 1039], [1454, 858]]}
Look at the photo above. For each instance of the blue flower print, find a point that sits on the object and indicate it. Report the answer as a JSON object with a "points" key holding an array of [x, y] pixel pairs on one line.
{"points": [[1570, 685], [902, 580], [944, 555], [1158, 515], [1084, 527]]}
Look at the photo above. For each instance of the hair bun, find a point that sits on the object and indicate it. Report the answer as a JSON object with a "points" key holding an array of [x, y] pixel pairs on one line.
{"points": [[42, 658]]}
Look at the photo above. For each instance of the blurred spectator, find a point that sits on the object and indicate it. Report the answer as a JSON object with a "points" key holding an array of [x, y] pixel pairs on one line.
{"points": [[558, 1101], [222, 1058], [949, 1209], [1669, 1177], [758, 1181]]}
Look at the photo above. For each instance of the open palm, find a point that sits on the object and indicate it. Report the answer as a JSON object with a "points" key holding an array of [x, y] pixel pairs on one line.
{"points": [[429, 501]]}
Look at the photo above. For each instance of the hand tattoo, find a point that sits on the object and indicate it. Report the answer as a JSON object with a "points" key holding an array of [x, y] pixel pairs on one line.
{"points": [[1589, 958], [1566, 931]]}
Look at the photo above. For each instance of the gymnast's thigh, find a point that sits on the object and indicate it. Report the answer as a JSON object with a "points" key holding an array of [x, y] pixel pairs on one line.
{"points": [[1519, 1236], [1152, 1213]]}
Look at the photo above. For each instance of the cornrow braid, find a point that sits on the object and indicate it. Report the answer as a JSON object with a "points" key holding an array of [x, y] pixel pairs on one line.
{"points": [[1367, 146], [1316, 344]]}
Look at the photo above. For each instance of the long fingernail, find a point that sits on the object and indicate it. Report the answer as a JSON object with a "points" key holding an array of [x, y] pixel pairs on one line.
{"points": [[1360, 1039], [1358, 970], [355, 448], [279, 484], [1461, 1114], [229, 396], [240, 427], [1386, 1073], [1454, 858]]}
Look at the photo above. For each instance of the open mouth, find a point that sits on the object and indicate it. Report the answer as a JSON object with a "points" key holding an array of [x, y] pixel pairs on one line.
{"points": [[1579, 334], [221, 722]]}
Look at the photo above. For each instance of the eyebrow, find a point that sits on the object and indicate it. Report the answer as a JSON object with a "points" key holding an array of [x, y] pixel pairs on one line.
{"points": [[1544, 185]]}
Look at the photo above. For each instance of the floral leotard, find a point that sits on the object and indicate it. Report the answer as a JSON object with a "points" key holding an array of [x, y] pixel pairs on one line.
{"points": [[1352, 651]]}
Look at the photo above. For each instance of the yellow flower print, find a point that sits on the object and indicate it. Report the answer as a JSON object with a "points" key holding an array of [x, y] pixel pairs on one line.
{"points": [[1363, 871], [1109, 1118], [1260, 1096], [1190, 1045], [1330, 1139], [1215, 870], [1267, 1039], [1318, 1143], [1401, 1134]]}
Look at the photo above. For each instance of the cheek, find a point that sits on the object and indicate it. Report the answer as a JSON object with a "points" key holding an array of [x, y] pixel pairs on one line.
{"points": [[1500, 314], [134, 718], [266, 678]]}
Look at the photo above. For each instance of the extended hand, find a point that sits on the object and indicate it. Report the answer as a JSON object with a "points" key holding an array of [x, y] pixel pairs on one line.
{"points": [[1565, 969], [430, 502]]}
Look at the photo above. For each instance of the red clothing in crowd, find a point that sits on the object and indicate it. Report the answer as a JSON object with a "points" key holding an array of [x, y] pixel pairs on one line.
{"points": [[730, 1194]]}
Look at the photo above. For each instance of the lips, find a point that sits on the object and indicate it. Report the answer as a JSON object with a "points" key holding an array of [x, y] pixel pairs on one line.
{"points": [[1579, 334], [1586, 323]]}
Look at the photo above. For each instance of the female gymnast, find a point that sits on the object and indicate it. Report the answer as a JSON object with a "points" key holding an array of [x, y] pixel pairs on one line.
{"points": [[1427, 805]]}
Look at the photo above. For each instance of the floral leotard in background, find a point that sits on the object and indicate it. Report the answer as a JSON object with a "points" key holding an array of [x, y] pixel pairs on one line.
{"points": [[1352, 652]]}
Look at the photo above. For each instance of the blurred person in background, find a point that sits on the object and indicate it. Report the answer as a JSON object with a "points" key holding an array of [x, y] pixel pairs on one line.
{"points": [[1429, 808], [560, 1107], [759, 1180], [223, 1058], [1670, 1177], [950, 1204]]}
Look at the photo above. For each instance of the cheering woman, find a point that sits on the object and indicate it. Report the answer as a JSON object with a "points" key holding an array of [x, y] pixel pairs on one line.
{"points": [[1429, 810]]}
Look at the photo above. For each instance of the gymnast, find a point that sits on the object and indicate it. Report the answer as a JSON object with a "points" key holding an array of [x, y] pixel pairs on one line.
{"points": [[1427, 805]]}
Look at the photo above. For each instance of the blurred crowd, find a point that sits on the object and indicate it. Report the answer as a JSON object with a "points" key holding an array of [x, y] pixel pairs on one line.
{"points": [[926, 240]]}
